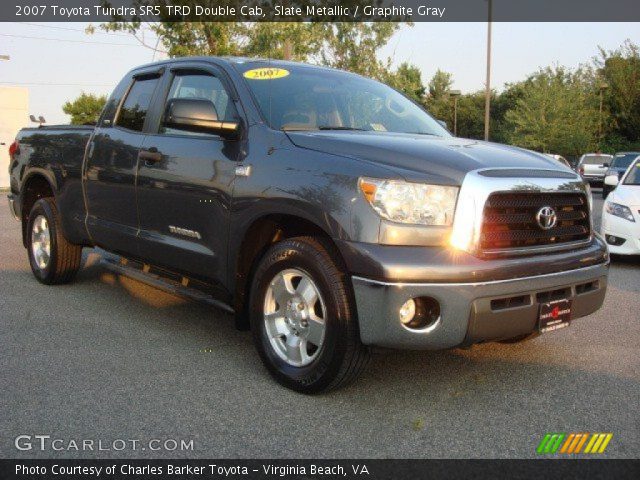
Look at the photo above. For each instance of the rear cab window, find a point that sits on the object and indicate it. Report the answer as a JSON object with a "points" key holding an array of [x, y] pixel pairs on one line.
{"points": [[595, 159]]}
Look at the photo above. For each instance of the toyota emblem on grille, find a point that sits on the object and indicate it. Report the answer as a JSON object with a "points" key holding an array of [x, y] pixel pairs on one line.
{"points": [[546, 218]]}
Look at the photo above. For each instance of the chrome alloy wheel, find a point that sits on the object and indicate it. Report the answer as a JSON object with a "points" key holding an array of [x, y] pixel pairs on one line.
{"points": [[41, 242], [295, 317]]}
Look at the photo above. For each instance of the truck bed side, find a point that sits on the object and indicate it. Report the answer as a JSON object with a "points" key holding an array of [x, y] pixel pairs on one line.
{"points": [[50, 162]]}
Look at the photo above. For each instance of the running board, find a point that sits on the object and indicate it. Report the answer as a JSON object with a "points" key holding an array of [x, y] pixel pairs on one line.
{"points": [[122, 266]]}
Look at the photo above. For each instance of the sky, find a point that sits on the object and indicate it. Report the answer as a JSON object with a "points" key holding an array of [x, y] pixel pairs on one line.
{"points": [[59, 60]]}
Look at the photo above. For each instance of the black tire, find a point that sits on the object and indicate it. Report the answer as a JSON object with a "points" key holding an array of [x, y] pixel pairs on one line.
{"points": [[65, 258], [342, 356]]}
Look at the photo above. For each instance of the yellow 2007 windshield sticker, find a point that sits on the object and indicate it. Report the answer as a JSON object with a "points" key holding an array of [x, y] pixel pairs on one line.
{"points": [[266, 73]]}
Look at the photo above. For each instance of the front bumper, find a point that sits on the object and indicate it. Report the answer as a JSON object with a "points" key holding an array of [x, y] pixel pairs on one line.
{"points": [[13, 206], [622, 228], [467, 313]]}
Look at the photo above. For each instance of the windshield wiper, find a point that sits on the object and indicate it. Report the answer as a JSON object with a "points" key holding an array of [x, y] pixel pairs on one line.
{"points": [[338, 127], [423, 133]]}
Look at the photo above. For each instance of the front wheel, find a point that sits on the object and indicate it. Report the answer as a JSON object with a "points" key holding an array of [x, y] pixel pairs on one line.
{"points": [[52, 258], [303, 318]]}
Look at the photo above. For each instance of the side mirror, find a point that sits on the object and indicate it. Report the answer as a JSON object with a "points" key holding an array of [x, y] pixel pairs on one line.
{"points": [[443, 123], [197, 115], [611, 180]]}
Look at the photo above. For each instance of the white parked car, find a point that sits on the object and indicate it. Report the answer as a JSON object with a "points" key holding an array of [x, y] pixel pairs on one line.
{"points": [[621, 212]]}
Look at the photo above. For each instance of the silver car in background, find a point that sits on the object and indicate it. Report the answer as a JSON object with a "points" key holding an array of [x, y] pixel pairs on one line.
{"points": [[593, 166]]}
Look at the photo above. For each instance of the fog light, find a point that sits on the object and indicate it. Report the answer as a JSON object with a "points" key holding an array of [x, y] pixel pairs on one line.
{"points": [[615, 241], [408, 311], [420, 313]]}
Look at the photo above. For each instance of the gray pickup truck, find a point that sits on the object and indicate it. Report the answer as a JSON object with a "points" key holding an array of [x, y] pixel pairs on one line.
{"points": [[326, 211]]}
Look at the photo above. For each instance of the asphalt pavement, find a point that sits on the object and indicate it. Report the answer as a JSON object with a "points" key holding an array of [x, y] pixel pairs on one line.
{"points": [[109, 360]]}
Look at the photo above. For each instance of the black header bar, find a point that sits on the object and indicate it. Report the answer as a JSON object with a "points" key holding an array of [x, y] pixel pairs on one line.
{"points": [[320, 10]]}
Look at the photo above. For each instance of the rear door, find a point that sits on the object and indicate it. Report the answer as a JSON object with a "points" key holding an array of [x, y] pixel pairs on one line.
{"points": [[185, 180], [111, 166]]}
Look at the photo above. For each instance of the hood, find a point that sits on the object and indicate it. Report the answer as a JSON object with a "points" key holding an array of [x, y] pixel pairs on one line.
{"points": [[628, 195], [441, 159]]}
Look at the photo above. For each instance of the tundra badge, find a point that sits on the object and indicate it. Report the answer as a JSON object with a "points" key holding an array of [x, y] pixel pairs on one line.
{"points": [[184, 231]]}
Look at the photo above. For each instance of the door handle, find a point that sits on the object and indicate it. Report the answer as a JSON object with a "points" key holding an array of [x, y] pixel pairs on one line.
{"points": [[150, 156]]}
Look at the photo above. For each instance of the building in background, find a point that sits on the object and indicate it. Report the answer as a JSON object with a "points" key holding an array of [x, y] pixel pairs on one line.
{"points": [[14, 106]]}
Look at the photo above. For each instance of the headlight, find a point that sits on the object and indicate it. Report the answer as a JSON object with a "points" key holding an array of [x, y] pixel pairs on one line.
{"points": [[619, 211], [413, 203]]}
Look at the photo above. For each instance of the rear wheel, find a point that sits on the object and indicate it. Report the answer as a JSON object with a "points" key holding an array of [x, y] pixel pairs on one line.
{"points": [[52, 258], [303, 319]]}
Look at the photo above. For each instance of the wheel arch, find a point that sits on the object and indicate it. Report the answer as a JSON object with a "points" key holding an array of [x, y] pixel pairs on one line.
{"points": [[36, 185], [258, 237]]}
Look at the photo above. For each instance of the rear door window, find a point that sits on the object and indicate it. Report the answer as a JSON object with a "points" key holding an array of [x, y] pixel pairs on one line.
{"points": [[134, 109]]}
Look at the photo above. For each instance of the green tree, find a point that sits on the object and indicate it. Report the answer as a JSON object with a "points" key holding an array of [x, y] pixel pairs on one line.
{"points": [[408, 79], [500, 104], [440, 84], [438, 101], [347, 45], [282, 40], [556, 113], [85, 109], [618, 71], [471, 115], [353, 46]]}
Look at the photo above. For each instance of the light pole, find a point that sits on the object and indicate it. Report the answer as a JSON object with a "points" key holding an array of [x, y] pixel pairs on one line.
{"points": [[487, 94], [602, 87], [455, 94]]}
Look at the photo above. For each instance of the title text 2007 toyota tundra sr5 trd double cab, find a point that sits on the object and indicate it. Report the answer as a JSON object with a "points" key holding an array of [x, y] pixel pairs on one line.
{"points": [[328, 211]]}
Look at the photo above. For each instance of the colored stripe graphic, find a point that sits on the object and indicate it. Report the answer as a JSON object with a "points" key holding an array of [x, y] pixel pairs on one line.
{"points": [[543, 443], [565, 447], [606, 441], [591, 443], [550, 443], [555, 447], [573, 443], [582, 440]]}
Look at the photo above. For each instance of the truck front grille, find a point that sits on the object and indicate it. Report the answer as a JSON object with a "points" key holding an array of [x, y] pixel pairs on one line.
{"points": [[510, 220]]}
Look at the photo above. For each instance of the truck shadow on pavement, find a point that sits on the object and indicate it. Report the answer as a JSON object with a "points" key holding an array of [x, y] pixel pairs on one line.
{"points": [[169, 365]]}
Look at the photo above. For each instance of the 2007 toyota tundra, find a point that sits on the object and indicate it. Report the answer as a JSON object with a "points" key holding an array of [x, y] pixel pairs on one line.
{"points": [[327, 211]]}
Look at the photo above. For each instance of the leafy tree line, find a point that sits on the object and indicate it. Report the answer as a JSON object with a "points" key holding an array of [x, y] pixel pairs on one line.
{"points": [[554, 110]]}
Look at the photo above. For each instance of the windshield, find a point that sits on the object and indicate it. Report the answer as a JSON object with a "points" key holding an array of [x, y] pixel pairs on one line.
{"points": [[633, 177], [595, 159], [307, 98], [623, 160]]}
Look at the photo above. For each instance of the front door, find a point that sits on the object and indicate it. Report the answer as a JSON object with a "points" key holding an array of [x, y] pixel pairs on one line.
{"points": [[185, 182]]}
